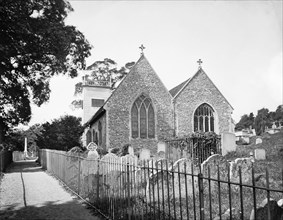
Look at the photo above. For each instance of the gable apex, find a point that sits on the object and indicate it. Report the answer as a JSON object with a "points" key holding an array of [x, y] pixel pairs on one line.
{"points": [[184, 84]]}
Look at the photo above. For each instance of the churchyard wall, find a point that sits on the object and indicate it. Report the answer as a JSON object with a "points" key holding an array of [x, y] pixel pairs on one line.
{"points": [[201, 90]]}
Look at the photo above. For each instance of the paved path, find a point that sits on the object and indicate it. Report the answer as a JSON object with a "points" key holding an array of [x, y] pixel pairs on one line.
{"points": [[27, 192]]}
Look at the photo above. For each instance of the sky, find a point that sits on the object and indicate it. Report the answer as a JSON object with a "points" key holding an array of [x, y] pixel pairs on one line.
{"points": [[239, 42]]}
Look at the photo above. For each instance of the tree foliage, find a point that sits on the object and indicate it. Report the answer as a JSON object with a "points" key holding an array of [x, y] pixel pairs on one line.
{"points": [[261, 120], [61, 134], [105, 70], [264, 119], [246, 121], [16, 138], [35, 44]]}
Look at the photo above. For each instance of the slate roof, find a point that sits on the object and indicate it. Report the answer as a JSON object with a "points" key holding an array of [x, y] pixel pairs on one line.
{"points": [[176, 89]]}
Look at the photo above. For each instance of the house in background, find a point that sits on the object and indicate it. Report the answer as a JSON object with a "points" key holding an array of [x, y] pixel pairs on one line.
{"points": [[143, 113]]}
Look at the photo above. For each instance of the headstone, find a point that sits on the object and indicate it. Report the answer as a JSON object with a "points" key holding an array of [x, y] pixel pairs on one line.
{"points": [[161, 146], [280, 203], [245, 164], [260, 154], [161, 164], [186, 166], [212, 163], [274, 125], [154, 186], [130, 160], [109, 167], [258, 141], [276, 212], [131, 150], [215, 167], [161, 154], [228, 142], [109, 162], [92, 154], [145, 154]]}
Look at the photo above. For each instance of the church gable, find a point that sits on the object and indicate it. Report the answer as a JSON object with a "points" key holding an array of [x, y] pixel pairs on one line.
{"points": [[199, 100], [142, 95]]}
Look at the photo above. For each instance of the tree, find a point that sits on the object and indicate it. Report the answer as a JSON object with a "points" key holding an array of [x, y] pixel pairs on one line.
{"points": [[105, 70], [16, 137], [245, 122], [279, 113], [35, 44], [261, 121], [61, 134]]}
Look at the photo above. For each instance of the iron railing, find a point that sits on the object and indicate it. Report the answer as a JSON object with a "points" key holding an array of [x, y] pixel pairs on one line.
{"points": [[195, 148], [163, 190]]}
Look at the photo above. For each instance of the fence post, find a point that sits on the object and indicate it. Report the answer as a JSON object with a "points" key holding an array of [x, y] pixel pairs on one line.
{"points": [[79, 176], [201, 199], [97, 176], [128, 189]]}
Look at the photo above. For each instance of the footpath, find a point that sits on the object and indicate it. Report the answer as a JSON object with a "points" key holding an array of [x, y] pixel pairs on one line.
{"points": [[27, 192]]}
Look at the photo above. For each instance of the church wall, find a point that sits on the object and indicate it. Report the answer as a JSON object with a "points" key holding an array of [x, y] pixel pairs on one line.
{"points": [[94, 126], [201, 90], [141, 80]]}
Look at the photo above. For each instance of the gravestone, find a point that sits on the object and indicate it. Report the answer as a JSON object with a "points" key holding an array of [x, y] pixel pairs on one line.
{"points": [[161, 146], [245, 164], [130, 160], [159, 186], [109, 162], [276, 213], [258, 141], [131, 150], [260, 154], [280, 203], [161, 164], [215, 167], [92, 154], [185, 180], [274, 125], [109, 168], [161, 154], [89, 170], [212, 163], [145, 154]]}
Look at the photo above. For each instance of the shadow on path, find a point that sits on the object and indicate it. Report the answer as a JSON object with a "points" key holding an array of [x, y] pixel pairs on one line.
{"points": [[27, 192], [48, 210], [23, 166]]}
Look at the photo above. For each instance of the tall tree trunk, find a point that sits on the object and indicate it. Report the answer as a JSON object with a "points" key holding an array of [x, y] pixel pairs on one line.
{"points": [[2, 128]]}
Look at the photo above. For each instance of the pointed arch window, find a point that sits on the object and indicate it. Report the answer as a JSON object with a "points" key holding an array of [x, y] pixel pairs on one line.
{"points": [[143, 118], [88, 137], [99, 133], [204, 118]]}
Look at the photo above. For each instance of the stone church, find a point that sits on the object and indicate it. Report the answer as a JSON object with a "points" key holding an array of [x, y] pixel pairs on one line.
{"points": [[142, 112]]}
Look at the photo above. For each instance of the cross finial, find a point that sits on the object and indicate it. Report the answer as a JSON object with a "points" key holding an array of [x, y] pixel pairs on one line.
{"points": [[199, 63], [142, 48]]}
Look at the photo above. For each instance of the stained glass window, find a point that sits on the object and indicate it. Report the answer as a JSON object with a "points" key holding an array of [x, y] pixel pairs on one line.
{"points": [[142, 118], [204, 118]]}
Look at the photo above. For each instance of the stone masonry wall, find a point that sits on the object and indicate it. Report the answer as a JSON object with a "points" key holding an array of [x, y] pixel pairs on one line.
{"points": [[95, 127], [201, 90], [141, 80]]}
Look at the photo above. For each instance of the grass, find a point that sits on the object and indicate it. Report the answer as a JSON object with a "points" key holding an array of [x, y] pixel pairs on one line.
{"points": [[273, 146]]}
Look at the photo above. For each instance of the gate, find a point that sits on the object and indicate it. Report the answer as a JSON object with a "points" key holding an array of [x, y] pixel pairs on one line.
{"points": [[197, 146]]}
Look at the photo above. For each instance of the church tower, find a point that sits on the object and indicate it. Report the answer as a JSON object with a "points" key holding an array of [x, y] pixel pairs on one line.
{"points": [[95, 93]]}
